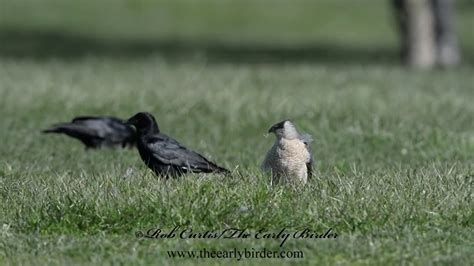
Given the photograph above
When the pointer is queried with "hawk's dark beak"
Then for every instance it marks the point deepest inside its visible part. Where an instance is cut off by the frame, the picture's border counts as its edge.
(272, 129)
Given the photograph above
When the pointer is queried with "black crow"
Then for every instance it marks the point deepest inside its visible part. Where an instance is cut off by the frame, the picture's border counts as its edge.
(164, 155)
(96, 132)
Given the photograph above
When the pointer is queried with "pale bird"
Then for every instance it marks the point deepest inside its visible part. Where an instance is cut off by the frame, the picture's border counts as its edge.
(290, 157)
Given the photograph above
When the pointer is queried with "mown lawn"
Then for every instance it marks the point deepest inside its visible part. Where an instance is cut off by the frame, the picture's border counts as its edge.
(393, 148)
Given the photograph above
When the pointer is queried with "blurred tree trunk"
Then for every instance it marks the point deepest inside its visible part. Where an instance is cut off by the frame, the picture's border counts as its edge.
(427, 32)
(421, 45)
(445, 29)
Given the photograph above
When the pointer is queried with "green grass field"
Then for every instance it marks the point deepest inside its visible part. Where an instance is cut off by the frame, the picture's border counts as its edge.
(393, 148)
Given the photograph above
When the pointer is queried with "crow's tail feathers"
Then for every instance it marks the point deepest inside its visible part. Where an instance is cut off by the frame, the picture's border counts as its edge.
(222, 170)
(54, 129)
(62, 128)
(214, 168)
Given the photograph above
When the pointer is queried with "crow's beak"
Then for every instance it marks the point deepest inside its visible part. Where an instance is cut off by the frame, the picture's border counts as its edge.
(129, 122)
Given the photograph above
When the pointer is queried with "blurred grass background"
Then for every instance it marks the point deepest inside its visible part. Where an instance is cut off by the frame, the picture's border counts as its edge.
(393, 147)
(256, 30)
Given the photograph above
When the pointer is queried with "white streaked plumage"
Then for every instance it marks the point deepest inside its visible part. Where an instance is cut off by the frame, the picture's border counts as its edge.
(290, 157)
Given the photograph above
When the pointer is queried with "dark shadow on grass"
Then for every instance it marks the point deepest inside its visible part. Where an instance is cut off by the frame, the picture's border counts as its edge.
(45, 45)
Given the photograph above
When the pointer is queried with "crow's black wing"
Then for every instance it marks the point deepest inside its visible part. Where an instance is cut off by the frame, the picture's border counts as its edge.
(76, 129)
(118, 131)
(95, 127)
(87, 135)
(94, 131)
(83, 118)
(168, 151)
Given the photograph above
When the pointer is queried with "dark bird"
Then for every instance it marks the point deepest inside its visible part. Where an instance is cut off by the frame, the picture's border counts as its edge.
(97, 132)
(164, 155)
